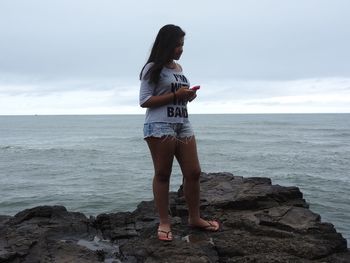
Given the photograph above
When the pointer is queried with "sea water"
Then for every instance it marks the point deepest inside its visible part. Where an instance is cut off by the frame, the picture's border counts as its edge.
(100, 163)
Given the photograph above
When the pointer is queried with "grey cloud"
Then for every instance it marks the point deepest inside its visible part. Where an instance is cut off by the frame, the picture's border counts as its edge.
(267, 39)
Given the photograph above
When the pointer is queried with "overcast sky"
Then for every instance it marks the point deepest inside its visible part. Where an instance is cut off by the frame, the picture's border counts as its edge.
(249, 56)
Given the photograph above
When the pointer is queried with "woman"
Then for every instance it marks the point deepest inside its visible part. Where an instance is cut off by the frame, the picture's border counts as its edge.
(165, 92)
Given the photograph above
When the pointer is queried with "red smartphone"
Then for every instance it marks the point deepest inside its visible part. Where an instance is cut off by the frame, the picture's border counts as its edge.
(195, 88)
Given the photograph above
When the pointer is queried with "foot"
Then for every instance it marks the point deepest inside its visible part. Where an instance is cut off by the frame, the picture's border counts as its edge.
(164, 233)
(208, 225)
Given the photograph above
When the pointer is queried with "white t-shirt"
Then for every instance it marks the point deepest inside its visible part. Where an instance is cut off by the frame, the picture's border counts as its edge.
(170, 80)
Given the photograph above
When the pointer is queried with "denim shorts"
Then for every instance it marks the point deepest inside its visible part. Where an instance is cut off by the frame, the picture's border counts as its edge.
(161, 129)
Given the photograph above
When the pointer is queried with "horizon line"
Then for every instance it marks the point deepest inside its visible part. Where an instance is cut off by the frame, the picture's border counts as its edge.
(139, 114)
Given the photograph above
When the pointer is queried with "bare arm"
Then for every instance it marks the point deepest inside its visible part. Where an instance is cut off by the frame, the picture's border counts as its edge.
(155, 101)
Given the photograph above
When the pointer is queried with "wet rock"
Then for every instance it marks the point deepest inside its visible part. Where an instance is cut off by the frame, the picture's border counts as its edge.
(260, 222)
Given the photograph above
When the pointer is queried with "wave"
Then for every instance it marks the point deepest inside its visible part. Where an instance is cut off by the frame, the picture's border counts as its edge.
(5, 147)
(340, 134)
(49, 149)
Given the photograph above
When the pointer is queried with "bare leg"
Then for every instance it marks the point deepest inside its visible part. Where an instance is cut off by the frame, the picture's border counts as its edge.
(186, 154)
(162, 151)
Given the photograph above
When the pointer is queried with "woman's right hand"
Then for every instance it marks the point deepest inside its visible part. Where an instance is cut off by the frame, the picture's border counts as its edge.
(184, 93)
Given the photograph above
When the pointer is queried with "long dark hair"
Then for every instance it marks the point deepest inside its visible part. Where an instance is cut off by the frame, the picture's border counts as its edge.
(162, 52)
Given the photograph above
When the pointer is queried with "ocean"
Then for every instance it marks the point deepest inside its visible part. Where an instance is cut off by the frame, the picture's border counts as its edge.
(100, 163)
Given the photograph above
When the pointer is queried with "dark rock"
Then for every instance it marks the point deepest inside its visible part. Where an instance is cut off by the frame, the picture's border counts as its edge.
(260, 222)
(41, 234)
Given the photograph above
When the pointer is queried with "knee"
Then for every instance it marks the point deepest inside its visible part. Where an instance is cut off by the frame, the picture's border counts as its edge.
(162, 176)
(193, 175)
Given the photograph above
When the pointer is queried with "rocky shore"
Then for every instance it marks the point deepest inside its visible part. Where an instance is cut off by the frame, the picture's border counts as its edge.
(261, 222)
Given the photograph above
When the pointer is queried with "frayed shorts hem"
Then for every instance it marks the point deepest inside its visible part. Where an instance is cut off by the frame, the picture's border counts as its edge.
(166, 130)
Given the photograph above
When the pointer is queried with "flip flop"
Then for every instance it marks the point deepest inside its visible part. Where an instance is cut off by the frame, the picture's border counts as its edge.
(212, 226)
(164, 238)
